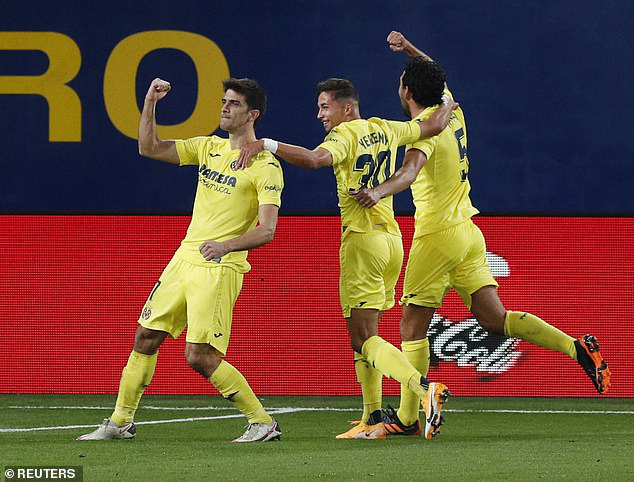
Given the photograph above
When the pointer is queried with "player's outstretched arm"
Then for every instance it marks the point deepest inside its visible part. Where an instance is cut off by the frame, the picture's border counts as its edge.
(398, 43)
(436, 123)
(149, 143)
(296, 155)
(262, 234)
(402, 179)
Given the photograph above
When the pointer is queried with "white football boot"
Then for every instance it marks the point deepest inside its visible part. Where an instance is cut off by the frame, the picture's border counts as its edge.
(261, 432)
(109, 430)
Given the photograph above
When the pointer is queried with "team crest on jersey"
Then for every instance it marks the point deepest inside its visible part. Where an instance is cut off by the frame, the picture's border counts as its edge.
(234, 164)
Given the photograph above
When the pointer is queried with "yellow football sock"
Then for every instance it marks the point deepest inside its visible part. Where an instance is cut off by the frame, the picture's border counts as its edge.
(234, 387)
(136, 375)
(390, 361)
(530, 328)
(417, 353)
(371, 382)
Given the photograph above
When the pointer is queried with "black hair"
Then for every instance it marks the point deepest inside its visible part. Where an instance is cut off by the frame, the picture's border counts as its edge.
(254, 95)
(340, 88)
(425, 80)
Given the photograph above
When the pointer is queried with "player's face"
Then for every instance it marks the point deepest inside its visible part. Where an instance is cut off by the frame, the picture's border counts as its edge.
(234, 113)
(401, 95)
(330, 112)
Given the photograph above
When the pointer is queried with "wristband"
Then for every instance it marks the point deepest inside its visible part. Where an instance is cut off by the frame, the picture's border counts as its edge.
(269, 145)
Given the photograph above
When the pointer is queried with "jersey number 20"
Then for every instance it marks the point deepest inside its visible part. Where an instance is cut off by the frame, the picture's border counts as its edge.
(373, 177)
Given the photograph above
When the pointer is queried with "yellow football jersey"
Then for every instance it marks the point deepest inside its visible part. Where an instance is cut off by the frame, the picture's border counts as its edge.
(364, 155)
(441, 190)
(227, 201)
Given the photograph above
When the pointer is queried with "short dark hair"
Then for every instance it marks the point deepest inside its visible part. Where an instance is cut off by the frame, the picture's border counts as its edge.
(254, 95)
(340, 88)
(425, 80)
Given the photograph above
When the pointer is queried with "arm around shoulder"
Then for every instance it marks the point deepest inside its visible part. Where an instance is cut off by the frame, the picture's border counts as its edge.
(413, 162)
(436, 123)
(302, 157)
(295, 155)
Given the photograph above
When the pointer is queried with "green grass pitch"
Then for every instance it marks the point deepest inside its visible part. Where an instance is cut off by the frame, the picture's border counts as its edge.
(482, 439)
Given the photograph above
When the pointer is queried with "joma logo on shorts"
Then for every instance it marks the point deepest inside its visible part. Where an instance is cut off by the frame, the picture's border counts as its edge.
(216, 176)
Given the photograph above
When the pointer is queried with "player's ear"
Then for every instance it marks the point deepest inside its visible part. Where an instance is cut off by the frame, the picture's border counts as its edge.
(253, 115)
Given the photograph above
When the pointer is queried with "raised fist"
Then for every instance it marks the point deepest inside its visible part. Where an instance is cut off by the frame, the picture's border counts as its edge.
(397, 41)
(158, 89)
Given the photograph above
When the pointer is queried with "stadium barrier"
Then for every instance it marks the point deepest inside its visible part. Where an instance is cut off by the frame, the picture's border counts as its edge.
(72, 288)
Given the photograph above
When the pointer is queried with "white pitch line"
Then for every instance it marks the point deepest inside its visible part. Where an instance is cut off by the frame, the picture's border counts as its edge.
(149, 422)
(280, 410)
(144, 407)
(582, 412)
(181, 409)
(456, 410)
(328, 409)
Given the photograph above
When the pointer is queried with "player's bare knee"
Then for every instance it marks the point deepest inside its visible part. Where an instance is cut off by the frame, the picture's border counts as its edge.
(358, 338)
(412, 329)
(196, 361)
(148, 341)
(491, 320)
(362, 324)
(495, 326)
(408, 332)
(415, 322)
(357, 342)
(357, 334)
(202, 358)
(488, 309)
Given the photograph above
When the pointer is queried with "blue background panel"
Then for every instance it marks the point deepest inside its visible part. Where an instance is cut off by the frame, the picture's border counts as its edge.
(546, 87)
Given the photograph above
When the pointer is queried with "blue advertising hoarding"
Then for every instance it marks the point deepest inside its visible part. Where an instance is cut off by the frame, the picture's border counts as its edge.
(546, 88)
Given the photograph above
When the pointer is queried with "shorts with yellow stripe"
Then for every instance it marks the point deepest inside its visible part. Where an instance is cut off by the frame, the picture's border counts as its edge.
(199, 297)
(370, 265)
(452, 258)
